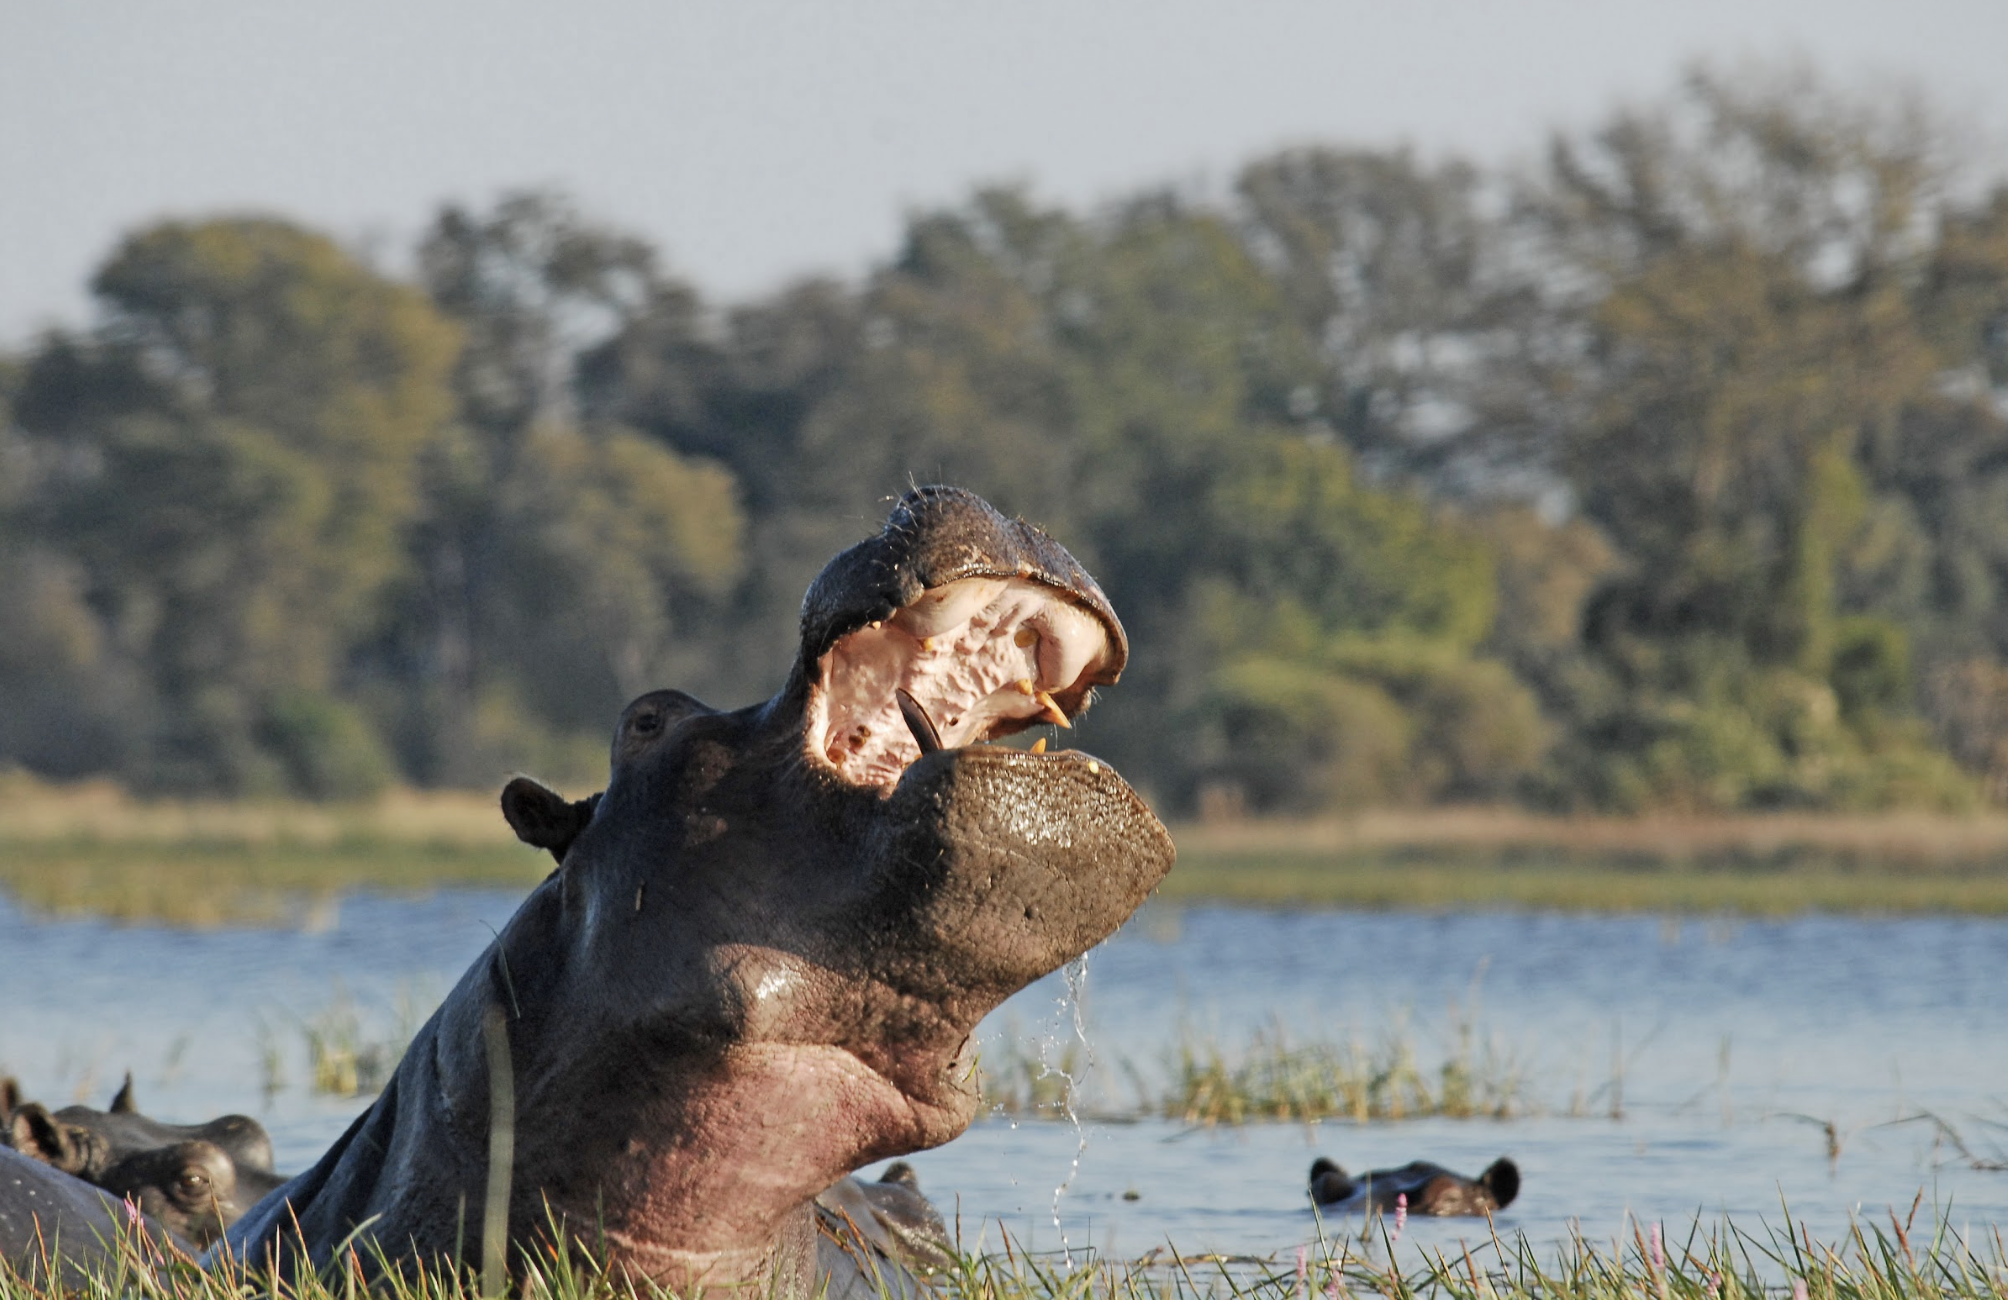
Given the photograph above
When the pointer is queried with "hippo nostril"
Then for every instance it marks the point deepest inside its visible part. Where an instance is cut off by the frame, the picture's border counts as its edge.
(647, 723)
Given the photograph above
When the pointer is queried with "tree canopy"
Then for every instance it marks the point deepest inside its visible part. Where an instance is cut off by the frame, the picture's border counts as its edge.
(1669, 472)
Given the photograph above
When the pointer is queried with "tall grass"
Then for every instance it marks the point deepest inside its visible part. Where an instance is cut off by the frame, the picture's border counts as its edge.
(1272, 1075)
(1276, 1079)
(347, 1050)
(1705, 1262)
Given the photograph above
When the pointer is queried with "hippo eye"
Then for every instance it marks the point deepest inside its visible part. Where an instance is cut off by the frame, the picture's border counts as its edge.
(647, 722)
(192, 1183)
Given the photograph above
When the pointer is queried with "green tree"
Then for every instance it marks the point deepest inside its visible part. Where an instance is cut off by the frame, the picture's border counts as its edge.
(563, 563)
(237, 438)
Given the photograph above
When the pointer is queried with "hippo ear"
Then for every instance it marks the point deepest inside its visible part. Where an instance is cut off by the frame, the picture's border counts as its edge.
(901, 1173)
(122, 1103)
(10, 1095)
(33, 1131)
(1502, 1179)
(541, 816)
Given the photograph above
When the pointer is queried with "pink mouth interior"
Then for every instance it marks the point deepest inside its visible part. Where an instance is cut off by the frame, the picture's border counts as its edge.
(984, 657)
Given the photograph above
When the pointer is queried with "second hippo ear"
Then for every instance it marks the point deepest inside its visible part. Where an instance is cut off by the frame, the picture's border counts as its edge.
(33, 1131)
(123, 1104)
(541, 816)
(10, 1095)
(1502, 1179)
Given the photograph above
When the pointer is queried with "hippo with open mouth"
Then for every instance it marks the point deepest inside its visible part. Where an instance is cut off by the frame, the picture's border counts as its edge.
(760, 961)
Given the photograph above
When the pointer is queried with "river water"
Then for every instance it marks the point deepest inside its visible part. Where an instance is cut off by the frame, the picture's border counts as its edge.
(1833, 1067)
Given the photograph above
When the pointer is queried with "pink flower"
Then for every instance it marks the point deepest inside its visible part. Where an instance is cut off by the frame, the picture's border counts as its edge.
(1658, 1251)
(1400, 1216)
(1798, 1288)
(1303, 1267)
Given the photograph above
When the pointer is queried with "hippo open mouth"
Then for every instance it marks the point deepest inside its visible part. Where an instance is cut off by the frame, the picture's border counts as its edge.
(940, 637)
(975, 660)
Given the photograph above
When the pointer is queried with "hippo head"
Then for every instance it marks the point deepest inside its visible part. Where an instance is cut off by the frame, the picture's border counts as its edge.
(88, 1143)
(194, 1189)
(782, 924)
(761, 959)
(193, 1179)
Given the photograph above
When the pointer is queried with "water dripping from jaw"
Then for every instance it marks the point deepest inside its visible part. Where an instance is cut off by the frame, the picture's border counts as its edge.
(1077, 980)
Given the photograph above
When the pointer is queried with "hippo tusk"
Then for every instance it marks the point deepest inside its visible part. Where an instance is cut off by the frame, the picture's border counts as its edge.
(918, 722)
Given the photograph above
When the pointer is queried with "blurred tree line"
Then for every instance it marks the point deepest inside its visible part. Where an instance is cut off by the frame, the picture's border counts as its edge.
(1669, 473)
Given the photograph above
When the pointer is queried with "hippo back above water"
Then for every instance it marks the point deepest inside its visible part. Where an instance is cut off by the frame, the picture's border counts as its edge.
(761, 959)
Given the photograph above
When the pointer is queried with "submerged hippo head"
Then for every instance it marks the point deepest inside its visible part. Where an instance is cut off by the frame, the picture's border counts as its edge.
(1421, 1186)
(86, 1142)
(760, 961)
(192, 1179)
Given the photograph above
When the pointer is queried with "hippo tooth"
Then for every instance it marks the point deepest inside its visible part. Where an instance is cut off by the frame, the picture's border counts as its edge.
(917, 721)
(1039, 745)
(1052, 711)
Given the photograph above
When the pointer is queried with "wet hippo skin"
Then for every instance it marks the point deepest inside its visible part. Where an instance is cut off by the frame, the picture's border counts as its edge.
(54, 1224)
(760, 960)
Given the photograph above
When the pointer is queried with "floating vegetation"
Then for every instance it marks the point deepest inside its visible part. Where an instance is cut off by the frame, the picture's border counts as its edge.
(347, 1051)
(1271, 1076)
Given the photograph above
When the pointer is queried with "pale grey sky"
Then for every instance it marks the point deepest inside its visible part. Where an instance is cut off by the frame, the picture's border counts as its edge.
(756, 139)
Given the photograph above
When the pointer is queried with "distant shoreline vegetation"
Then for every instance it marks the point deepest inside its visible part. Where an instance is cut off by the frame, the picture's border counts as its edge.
(92, 849)
(1666, 473)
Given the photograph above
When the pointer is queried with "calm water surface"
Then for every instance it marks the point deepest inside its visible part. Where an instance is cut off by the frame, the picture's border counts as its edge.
(1733, 1045)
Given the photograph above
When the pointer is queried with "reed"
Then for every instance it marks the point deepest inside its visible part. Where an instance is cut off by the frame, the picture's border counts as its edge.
(347, 1050)
(1271, 1076)
(1719, 1261)
(1276, 1079)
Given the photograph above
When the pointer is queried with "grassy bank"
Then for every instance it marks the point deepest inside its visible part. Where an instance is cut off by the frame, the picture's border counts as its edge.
(1758, 865)
(91, 848)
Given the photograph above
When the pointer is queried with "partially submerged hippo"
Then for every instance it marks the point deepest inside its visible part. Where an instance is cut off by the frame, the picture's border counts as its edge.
(193, 1179)
(56, 1225)
(761, 959)
(889, 1216)
(86, 1142)
(1430, 1188)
